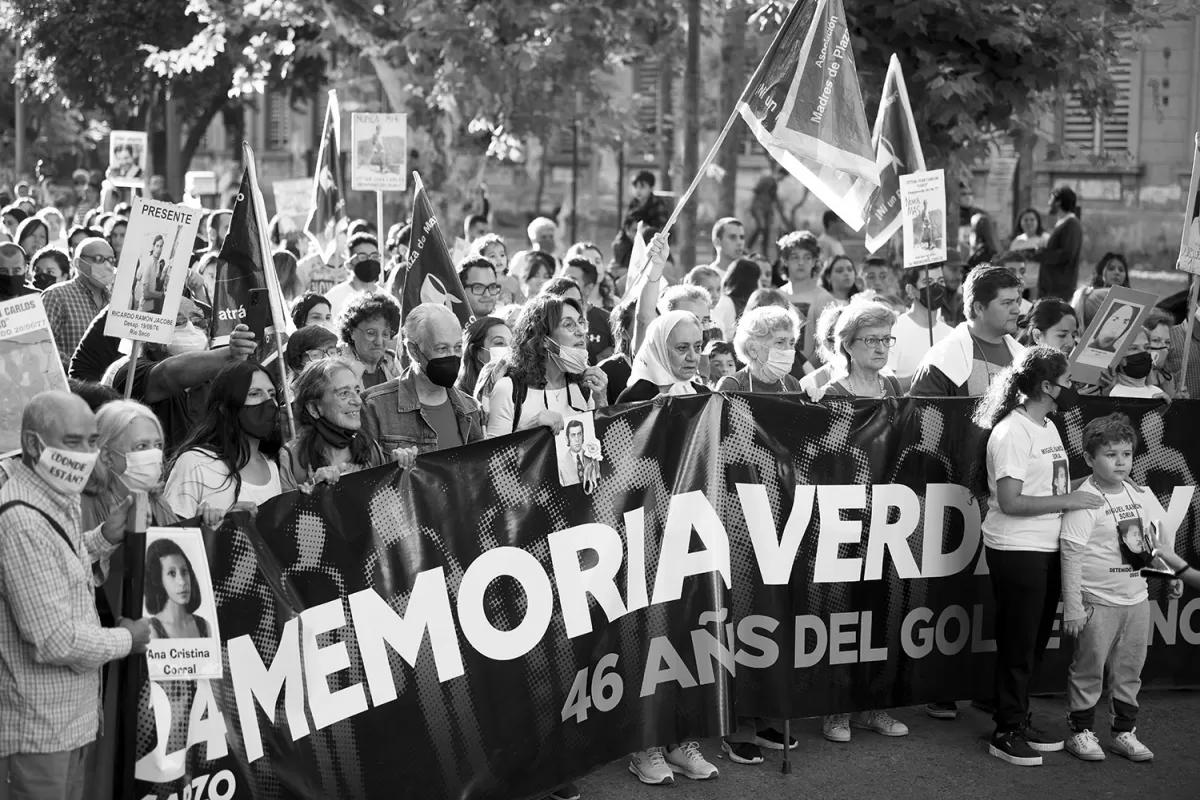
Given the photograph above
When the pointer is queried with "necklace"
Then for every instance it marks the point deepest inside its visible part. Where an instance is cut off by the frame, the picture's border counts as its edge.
(880, 386)
(1128, 496)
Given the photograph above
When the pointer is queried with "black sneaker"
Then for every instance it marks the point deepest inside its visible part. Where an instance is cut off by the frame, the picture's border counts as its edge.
(742, 752)
(772, 739)
(568, 791)
(1011, 747)
(1038, 739)
(942, 710)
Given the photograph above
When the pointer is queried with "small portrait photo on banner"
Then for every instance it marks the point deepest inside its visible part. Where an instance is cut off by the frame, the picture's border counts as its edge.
(379, 152)
(579, 452)
(178, 600)
(127, 156)
(1060, 479)
(29, 364)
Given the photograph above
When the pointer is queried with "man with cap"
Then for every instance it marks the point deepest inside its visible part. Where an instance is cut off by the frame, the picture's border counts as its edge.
(72, 305)
(14, 272)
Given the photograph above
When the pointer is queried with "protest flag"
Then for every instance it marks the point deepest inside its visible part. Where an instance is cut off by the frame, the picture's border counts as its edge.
(328, 204)
(897, 152)
(431, 276)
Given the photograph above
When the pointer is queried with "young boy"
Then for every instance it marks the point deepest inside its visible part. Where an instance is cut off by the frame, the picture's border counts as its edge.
(721, 361)
(1105, 602)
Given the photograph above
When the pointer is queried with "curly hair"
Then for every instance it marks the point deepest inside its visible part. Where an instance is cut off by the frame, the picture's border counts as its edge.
(1023, 377)
(528, 354)
(367, 307)
(760, 325)
(156, 592)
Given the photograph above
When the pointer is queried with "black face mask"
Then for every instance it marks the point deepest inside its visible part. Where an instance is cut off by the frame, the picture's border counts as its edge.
(335, 436)
(1138, 365)
(442, 371)
(367, 271)
(933, 296)
(43, 281)
(1067, 398)
(259, 421)
(11, 284)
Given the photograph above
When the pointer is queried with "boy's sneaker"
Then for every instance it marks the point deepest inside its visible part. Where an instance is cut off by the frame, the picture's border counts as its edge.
(1085, 745)
(650, 767)
(772, 739)
(880, 722)
(836, 728)
(1126, 744)
(1011, 747)
(942, 710)
(568, 791)
(1038, 739)
(687, 761)
(742, 752)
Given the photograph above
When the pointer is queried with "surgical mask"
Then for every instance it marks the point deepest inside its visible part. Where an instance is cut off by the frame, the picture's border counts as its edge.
(1067, 398)
(187, 339)
(43, 281)
(497, 353)
(367, 271)
(11, 284)
(571, 360)
(143, 470)
(1138, 365)
(779, 362)
(933, 296)
(66, 471)
(103, 275)
(259, 421)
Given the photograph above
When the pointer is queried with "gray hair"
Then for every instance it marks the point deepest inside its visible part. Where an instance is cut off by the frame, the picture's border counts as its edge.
(45, 412)
(421, 319)
(541, 224)
(112, 420)
(674, 296)
(761, 325)
(855, 317)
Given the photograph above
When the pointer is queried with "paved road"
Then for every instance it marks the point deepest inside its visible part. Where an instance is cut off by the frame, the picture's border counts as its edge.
(944, 760)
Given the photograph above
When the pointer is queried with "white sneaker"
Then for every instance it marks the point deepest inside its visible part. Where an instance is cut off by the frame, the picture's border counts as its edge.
(1085, 745)
(1126, 744)
(650, 767)
(686, 760)
(836, 728)
(880, 722)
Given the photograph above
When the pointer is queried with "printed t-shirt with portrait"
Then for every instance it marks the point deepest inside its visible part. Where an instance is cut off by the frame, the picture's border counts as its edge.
(1108, 577)
(1021, 449)
(987, 360)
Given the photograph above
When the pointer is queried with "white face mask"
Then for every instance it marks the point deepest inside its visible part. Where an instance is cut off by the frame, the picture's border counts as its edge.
(187, 339)
(143, 470)
(66, 471)
(571, 360)
(779, 362)
(497, 353)
(103, 274)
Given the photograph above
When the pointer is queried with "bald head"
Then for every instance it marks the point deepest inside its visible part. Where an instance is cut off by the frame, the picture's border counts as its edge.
(57, 419)
(13, 260)
(96, 261)
(93, 245)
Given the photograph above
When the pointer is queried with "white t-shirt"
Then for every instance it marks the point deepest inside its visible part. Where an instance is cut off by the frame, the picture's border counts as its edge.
(566, 401)
(912, 343)
(724, 316)
(1121, 390)
(1106, 575)
(199, 477)
(1033, 454)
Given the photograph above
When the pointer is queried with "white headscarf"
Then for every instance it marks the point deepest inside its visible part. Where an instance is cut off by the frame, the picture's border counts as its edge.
(652, 362)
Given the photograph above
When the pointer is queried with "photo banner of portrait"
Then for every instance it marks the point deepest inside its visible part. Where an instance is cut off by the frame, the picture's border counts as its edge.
(1189, 247)
(29, 364)
(1108, 337)
(923, 211)
(178, 600)
(579, 452)
(152, 271)
(379, 152)
(127, 159)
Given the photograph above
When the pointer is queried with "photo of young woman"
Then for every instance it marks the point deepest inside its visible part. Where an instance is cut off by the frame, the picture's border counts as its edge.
(173, 593)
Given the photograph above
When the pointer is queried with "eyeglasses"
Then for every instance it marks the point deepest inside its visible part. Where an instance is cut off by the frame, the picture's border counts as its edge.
(98, 260)
(875, 341)
(480, 289)
(317, 355)
(574, 326)
(357, 257)
(377, 335)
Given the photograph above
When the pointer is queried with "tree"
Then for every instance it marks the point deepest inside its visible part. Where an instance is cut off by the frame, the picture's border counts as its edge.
(733, 80)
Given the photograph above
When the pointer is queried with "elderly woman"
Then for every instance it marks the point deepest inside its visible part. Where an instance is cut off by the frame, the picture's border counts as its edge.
(330, 442)
(368, 326)
(548, 376)
(306, 346)
(50, 265)
(668, 361)
(864, 339)
(776, 297)
(766, 343)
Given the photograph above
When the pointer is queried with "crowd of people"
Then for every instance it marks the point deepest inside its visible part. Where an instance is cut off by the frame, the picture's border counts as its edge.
(558, 333)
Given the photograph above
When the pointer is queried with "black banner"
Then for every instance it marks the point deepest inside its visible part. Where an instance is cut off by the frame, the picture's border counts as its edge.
(471, 629)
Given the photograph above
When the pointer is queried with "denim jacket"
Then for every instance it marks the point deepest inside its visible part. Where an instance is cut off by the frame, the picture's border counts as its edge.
(392, 413)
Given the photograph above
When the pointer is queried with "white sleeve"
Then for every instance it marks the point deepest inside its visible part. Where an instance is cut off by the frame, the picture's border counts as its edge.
(1077, 526)
(186, 487)
(1009, 452)
(500, 409)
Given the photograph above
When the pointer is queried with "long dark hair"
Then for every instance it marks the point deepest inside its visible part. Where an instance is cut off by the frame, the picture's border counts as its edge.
(827, 275)
(156, 593)
(1036, 215)
(220, 432)
(1045, 314)
(740, 282)
(1023, 377)
(310, 388)
(1098, 272)
(285, 268)
(539, 319)
(473, 338)
(620, 323)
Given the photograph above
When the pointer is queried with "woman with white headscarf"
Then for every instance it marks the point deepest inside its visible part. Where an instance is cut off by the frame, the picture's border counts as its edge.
(669, 359)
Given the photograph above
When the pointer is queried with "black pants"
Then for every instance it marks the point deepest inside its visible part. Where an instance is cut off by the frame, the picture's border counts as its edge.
(1027, 586)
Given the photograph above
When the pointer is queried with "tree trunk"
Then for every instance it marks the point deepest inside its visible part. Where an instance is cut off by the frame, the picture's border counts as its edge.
(953, 168)
(691, 138)
(664, 116)
(733, 80)
(197, 130)
(1024, 143)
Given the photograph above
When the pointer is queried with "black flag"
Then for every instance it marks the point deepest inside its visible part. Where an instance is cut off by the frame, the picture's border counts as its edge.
(431, 276)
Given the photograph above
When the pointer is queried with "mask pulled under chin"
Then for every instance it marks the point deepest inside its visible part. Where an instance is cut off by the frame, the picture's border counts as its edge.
(571, 360)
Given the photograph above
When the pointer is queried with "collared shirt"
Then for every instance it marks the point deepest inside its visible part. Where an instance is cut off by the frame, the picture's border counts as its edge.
(393, 415)
(51, 643)
(70, 307)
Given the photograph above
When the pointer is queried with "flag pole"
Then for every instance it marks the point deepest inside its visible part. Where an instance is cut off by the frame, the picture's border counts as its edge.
(379, 214)
(929, 307)
(134, 353)
(1190, 325)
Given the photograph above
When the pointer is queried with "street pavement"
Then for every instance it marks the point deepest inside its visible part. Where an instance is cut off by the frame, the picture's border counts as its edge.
(944, 760)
